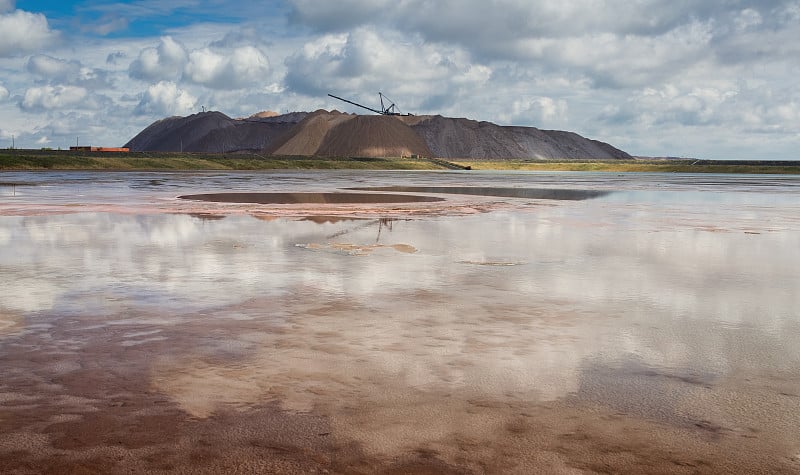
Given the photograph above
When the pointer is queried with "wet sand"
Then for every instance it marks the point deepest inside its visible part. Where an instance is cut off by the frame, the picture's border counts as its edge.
(206, 393)
(576, 337)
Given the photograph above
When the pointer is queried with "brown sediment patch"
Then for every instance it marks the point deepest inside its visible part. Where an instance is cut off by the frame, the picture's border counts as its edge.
(355, 212)
(405, 248)
(492, 263)
(357, 249)
(528, 193)
(9, 322)
(372, 208)
(267, 217)
(310, 198)
(308, 398)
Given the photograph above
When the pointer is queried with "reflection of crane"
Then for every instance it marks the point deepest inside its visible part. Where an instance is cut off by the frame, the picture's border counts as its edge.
(381, 222)
(384, 222)
(391, 109)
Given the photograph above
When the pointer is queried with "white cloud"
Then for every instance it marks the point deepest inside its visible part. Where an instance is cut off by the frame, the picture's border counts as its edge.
(164, 99)
(719, 119)
(612, 60)
(669, 104)
(747, 18)
(543, 111)
(22, 32)
(115, 57)
(164, 62)
(364, 62)
(490, 26)
(53, 97)
(213, 67)
(647, 76)
(616, 43)
(61, 71)
(50, 67)
(242, 67)
(108, 24)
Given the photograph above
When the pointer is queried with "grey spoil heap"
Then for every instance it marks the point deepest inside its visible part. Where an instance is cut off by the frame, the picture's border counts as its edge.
(387, 134)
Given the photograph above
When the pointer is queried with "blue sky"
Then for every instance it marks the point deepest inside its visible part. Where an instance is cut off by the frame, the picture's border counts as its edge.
(654, 77)
(142, 18)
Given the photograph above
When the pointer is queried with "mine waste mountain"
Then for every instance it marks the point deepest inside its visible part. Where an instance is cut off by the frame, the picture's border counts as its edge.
(335, 134)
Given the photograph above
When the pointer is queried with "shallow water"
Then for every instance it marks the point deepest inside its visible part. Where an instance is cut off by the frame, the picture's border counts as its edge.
(665, 307)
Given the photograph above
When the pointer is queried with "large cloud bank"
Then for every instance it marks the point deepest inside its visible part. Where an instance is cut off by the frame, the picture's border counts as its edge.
(23, 32)
(714, 80)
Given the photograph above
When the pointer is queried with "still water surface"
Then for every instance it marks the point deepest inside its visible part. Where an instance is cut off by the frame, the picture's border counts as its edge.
(672, 299)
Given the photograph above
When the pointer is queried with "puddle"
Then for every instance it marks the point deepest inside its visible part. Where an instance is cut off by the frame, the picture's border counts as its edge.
(310, 198)
(528, 193)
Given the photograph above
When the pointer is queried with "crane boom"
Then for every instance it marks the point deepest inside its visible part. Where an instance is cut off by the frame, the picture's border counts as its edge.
(357, 104)
(392, 109)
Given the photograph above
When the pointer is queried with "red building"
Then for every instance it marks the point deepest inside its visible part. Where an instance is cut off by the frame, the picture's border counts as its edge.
(89, 148)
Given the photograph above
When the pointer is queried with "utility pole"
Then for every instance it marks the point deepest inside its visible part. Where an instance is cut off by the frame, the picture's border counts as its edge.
(12, 142)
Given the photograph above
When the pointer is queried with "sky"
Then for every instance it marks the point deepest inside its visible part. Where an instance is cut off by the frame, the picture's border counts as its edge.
(715, 80)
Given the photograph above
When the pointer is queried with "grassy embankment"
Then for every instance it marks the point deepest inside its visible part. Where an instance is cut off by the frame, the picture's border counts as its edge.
(68, 160)
(653, 166)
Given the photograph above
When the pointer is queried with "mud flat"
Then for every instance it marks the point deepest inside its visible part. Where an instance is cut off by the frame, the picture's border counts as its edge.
(163, 393)
(310, 198)
(631, 331)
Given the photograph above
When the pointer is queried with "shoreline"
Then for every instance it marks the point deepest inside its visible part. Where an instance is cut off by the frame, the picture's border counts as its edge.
(42, 160)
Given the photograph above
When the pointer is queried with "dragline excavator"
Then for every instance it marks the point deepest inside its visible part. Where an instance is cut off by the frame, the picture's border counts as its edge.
(391, 109)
